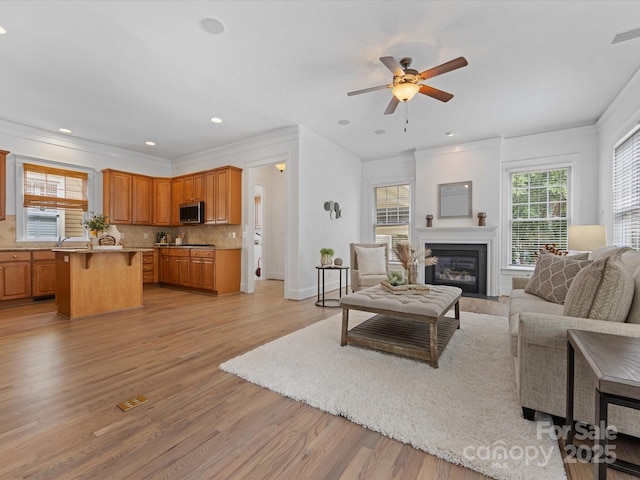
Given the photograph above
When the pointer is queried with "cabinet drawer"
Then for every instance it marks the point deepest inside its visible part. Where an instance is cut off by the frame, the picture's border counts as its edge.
(178, 252)
(147, 277)
(43, 255)
(15, 256)
(197, 252)
(147, 267)
(147, 258)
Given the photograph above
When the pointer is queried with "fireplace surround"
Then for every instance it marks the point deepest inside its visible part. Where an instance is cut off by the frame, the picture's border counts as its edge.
(459, 265)
(463, 234)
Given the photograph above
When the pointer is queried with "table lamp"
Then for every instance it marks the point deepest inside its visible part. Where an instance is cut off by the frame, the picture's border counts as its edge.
(586, 238)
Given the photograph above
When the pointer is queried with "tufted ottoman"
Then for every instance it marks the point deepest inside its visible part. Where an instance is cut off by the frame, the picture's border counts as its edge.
(410, 324)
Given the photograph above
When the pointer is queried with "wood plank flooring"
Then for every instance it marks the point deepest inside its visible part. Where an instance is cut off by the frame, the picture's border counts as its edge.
(61, 381)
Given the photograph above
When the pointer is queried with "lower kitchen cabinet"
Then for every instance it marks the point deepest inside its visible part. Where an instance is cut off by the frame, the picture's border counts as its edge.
(149, 268)
(15, 275)
(43, 274)
(208, 269)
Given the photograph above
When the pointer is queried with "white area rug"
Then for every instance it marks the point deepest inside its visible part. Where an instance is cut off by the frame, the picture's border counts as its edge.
(465, 412)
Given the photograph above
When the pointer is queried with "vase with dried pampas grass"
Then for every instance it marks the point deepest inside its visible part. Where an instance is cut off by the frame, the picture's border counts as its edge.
(411, 260)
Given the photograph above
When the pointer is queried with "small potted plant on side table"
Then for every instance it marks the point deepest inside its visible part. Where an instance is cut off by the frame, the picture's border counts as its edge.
(326, 256)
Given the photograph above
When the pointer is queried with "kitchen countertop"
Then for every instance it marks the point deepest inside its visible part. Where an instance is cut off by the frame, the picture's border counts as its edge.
(101, 250)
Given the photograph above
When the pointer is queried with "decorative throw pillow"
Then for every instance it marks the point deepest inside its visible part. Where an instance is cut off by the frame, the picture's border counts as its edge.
(553, 275)
(603, 291)
(371, 260)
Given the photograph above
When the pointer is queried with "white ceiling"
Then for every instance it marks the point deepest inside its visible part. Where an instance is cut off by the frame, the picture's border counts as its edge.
(122, 73)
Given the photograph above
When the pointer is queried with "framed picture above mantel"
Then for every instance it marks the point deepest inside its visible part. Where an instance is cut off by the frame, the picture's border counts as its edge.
(454, 200)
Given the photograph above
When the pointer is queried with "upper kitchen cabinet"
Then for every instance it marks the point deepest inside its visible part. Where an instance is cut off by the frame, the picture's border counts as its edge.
(185, 189)
(223, 196)
(127, 197)
(3, 183)
(162, 201)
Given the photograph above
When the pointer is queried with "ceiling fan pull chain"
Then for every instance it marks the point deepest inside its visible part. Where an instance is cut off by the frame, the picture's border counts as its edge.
(406, 115)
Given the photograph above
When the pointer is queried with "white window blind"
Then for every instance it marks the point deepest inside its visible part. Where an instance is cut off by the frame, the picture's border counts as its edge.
(393, 215)
(540, 207)
(626, 192)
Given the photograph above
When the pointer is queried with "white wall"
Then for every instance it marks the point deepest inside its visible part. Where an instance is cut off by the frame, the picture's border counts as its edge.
(327, 173)
(49, 146)
(622, 116)
(484, 163)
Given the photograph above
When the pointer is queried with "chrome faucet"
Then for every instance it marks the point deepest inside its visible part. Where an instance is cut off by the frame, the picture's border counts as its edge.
(61, 240)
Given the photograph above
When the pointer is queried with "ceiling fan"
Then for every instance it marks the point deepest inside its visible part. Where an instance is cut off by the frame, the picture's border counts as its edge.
(405, 81)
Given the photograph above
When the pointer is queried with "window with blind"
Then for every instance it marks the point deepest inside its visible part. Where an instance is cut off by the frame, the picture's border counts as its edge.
(540, 208)
(626, 192)
(54, 201)
(393, 216)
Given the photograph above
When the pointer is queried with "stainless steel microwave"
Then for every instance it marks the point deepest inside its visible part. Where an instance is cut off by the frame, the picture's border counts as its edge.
(192, 212)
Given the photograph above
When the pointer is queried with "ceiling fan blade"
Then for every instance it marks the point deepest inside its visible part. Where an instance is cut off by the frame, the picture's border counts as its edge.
(624, 36)
(444, 68)
(367, 90)
(393, 65)
(392, 106)
(435, 93)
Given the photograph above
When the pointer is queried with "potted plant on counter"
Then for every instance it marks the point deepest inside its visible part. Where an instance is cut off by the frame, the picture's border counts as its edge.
(97, 225)
(326, 256)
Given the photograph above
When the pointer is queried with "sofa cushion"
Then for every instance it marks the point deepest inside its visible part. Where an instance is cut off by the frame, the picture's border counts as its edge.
(521, 302)
(607, 251)
(371, 261)
(371, 280)
(603, 291)
(553, 275)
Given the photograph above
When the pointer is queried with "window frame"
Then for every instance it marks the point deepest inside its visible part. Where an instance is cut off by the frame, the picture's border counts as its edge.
(374, 210)
(525, 166)
(617, 227)
(21, 211)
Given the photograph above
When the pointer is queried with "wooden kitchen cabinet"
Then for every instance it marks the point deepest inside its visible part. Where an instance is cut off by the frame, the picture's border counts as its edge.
(149, 270)
(209, 269)
(141, 200)
(223, 196)
(127, 198)
(186, 189)
(162, 201)
(43, 274)
(174, 266)
(15, 275)
(201, 269)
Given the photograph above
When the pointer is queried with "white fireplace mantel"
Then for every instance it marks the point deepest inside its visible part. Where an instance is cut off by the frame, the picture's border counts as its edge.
(487, 235)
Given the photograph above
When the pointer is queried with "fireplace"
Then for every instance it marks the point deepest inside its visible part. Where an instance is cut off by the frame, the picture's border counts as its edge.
(459, 265)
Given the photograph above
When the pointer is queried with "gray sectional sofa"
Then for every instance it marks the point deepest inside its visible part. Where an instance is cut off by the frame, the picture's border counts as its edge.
(539, 340)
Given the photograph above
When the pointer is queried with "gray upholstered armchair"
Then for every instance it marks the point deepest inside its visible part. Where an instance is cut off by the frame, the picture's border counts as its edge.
(372, 266)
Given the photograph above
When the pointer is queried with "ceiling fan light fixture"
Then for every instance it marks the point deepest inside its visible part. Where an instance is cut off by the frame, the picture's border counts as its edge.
(405, 91)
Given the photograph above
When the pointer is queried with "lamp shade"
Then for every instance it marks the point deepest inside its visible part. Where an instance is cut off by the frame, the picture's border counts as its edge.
(586, 238)
(281, 166)
(405, 91)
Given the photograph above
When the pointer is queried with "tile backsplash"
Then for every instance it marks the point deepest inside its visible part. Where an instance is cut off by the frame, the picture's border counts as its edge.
(228, 236)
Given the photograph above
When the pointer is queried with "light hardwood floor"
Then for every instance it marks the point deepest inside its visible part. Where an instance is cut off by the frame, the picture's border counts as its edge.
(61, 381)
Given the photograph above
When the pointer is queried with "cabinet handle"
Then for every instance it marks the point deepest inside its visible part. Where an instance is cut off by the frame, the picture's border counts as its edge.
(15, 256)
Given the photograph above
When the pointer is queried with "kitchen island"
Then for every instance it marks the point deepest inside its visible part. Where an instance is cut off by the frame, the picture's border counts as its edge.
(95, 281)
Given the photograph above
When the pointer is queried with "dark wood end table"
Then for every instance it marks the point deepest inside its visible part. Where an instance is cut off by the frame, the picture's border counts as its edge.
(332, 302)
(614, 366)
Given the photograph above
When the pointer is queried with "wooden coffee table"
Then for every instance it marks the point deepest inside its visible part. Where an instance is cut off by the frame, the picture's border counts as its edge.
(413, 325)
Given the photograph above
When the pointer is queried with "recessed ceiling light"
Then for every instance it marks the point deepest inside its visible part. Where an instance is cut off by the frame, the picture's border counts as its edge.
(2, 30)
(213, 26)
(216, 120)
(151, 144)
(449, 134)
(64, 130)
(344, 122)
(380, 132)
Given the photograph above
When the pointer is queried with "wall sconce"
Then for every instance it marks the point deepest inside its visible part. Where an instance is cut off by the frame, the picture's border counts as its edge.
(333, 207)
(281, 166)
